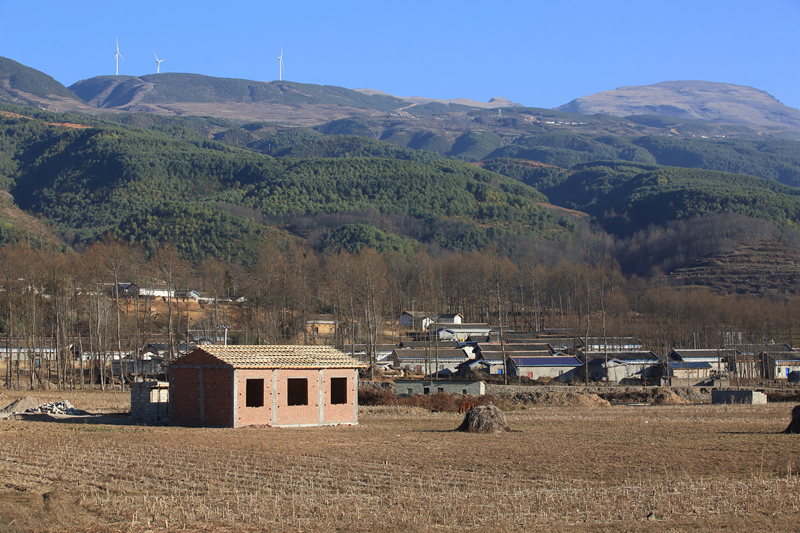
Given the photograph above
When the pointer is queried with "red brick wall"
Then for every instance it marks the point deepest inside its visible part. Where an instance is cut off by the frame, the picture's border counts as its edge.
(198, 357)
(218, 394)
(290, 415)
(184, 390)
(213, 409)
(343, 413)
(218, 398)
(249, 416)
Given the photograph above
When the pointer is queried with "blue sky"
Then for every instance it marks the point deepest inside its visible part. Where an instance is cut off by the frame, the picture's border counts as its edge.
(538, 53)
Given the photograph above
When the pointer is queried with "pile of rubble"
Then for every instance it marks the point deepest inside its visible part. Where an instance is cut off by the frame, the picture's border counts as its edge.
(56, 408)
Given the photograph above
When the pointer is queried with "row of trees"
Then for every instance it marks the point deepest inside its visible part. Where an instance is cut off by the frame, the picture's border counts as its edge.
(70, 303)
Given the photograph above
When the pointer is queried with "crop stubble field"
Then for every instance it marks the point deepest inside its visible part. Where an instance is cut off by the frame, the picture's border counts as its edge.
(650, 468)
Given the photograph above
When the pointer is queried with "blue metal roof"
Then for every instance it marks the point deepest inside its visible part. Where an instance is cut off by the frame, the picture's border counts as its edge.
(546, 361)
(683, 365)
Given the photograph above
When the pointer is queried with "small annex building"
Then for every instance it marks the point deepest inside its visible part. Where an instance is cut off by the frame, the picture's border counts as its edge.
(281, 386)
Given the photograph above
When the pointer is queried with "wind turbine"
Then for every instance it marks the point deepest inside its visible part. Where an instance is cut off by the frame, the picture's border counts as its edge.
(116, 57)
(281, 70)
(158, 64)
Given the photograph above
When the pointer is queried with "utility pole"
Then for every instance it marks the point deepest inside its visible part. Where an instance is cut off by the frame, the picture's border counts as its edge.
(226, 328)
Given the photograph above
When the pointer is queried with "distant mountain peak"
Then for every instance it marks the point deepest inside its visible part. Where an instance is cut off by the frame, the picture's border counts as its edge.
(692, 99)
(494, 102)
(24, 85)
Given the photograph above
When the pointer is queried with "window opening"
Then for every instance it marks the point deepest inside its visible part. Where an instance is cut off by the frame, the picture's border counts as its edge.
(254, 393)
(297, 391)
(338, 391)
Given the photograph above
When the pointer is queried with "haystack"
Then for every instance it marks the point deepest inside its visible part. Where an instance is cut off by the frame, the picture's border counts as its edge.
(794, 426)
(484, 418)
(20, 405)
(667, 397)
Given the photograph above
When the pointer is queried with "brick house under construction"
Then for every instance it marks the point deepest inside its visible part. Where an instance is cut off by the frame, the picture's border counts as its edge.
(283, 386)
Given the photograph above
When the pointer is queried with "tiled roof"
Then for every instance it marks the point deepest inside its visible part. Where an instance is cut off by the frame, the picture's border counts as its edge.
(271, 356)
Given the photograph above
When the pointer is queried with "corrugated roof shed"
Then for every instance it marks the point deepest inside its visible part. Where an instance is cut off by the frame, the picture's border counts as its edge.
(692, 365)
(542, 347)
(546, 361)
(443, 353)
(683, 354)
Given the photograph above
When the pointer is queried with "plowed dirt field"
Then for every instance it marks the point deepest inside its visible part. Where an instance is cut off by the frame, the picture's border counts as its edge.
(620, 468)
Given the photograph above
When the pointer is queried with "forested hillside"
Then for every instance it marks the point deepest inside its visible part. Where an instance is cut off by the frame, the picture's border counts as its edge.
(172, 87)
(626, 197)
(149, 186)
(18, 82)
(345, 169)
(775, 159)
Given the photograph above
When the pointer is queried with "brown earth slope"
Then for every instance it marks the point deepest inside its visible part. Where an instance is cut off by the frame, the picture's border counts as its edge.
(763, 267)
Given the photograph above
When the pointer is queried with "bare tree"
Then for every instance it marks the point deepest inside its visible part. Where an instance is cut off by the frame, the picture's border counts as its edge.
(168, 264)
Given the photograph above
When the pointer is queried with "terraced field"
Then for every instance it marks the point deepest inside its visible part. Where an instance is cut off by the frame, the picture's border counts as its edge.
(766, 267)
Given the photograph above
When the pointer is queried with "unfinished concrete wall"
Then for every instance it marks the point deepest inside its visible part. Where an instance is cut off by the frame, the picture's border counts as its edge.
(750, 397)
(407, 388)
(150, 401)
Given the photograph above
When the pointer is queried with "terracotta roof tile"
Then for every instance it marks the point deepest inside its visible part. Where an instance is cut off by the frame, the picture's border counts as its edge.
(272, 356)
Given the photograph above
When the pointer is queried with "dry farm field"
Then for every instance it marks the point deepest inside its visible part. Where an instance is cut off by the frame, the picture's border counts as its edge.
(621, 468)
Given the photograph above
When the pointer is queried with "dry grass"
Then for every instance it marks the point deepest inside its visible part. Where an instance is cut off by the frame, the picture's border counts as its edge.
(567, 468)
(93, 401)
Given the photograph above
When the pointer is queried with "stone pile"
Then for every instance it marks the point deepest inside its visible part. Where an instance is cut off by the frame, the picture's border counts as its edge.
(56, 408)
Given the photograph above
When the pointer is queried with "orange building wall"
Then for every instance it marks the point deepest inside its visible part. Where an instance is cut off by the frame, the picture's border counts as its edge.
(223, 401)
(253, 416)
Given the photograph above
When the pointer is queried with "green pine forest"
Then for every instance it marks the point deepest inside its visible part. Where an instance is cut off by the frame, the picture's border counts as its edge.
(217, 188)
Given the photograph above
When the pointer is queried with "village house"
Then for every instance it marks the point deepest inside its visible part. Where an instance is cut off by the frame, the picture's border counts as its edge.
(125, 289)
(416, 319)
(428, 361)
(450, 319)
(746, 365)
(463, 332)
(480, 366)
(715, 357)
(157, 292)
(492, 350)
(282, 386)
(632, 367)
(610, 344)
(692, 366)
(189, 295)
(559, 366)
(780, 364)
(321, 329)
(688, 373)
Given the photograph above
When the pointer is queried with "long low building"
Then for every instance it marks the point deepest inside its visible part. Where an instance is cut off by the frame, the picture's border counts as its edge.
(544, 367)
(283, 386)
(463, 332)
(409, 387)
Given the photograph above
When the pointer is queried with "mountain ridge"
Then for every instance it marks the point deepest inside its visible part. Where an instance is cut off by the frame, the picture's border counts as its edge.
(300, 104)
(710, 101)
